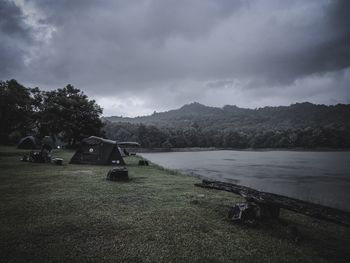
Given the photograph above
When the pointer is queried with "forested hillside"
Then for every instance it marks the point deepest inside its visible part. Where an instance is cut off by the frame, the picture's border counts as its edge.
(303, 125)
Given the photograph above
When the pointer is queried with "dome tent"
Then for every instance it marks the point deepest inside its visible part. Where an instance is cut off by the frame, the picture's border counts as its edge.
(96, 150)
(29, 142)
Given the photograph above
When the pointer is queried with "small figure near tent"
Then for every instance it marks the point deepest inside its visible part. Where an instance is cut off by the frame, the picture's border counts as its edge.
(48, 142)
(46, 153)
(42, 156)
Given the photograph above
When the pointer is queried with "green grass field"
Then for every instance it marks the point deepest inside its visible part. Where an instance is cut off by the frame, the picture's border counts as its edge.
(71, 213)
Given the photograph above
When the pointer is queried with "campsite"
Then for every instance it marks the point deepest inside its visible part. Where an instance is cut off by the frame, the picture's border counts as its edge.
(174, 131)
(74, 189)
(72, 213)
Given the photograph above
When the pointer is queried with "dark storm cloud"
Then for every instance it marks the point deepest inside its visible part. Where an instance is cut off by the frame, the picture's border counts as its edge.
(143, 51)
(15, 37)
(291, 42)
(333, 52)
(339, 48)
(131, 40)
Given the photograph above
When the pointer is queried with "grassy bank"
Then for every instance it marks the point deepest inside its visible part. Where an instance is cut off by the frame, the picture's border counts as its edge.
(71, 213)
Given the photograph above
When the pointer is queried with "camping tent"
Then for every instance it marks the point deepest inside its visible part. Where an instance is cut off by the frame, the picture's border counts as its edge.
(96, 150)
(29, 142)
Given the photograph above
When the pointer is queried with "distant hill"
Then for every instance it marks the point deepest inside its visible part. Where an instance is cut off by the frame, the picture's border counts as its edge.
(295, 115)
(316, 125)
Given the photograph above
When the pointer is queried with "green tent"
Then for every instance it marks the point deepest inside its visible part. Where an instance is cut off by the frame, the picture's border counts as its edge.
(96, 150)
(29, 142)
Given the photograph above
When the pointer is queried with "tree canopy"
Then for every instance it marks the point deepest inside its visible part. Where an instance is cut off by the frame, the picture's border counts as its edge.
(16, 109)
(70, 113)
(66, 113)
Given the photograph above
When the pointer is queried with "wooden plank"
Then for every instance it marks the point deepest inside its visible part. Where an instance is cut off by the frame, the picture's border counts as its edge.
(299, 206)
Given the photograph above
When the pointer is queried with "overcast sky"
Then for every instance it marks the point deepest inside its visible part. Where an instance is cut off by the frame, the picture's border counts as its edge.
(139, 56)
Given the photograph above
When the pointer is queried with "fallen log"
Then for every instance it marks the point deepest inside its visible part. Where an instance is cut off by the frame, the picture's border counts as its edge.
(268, 199)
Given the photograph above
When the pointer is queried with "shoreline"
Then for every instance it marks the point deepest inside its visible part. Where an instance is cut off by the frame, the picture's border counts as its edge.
(207, 149)
(313, 210)
(294, 174)
(203, 178)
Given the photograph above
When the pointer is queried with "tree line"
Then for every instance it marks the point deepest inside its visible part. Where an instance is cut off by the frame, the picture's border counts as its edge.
(65, 113)
(69, 115)
(302, 125)
(151, 136)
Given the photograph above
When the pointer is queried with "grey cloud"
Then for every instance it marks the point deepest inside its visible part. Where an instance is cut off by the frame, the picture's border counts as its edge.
(333, 51)
(15, 38)
(11, 19)
(189, 19)
(165, 40)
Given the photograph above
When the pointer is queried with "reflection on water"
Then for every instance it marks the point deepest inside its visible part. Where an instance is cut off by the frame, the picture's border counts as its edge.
(320, 177)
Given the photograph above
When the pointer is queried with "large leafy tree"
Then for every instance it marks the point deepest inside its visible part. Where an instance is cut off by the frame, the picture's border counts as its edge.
(70, 114)
(17, 105)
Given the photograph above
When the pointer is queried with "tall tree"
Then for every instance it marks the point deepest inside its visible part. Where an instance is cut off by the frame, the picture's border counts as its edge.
(69, 113)
(16, 110)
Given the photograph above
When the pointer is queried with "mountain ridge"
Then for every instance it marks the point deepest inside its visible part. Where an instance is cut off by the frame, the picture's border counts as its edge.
(200, 111)
(303, 125)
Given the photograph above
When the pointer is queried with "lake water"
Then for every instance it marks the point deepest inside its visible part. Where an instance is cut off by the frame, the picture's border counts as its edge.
(319, 177)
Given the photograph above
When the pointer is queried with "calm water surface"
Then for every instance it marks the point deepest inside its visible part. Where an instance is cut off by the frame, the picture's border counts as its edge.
(320, 177)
